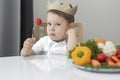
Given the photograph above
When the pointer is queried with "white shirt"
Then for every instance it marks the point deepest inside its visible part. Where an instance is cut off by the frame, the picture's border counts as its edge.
(45, 44)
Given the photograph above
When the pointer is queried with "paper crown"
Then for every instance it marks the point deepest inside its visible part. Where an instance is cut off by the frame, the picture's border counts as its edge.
(63, 7)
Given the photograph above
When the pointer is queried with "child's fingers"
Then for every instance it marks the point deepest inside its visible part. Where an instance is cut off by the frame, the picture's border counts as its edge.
(33, 40)
(25, 52)
(29, 42)
(28, 45)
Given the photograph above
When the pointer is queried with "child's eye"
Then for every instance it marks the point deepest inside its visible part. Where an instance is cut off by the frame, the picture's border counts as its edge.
(48, 24)
(57, 24)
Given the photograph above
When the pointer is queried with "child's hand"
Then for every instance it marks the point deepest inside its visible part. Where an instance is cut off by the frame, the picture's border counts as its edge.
(71, 38)
(27, 47)
(70, 31)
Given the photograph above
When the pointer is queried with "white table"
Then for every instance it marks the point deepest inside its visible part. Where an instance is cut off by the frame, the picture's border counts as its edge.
(46, 68)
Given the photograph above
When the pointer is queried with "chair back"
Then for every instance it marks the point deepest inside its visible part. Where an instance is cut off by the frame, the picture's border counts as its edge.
(79, 31)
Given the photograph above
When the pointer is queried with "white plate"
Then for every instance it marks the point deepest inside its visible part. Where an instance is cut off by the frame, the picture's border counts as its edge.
(117, 70)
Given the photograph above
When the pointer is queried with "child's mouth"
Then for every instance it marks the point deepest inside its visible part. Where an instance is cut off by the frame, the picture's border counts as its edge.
(52, 34)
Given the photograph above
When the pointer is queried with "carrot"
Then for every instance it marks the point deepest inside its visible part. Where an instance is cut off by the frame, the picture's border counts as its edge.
(111, 63)
(115, 58)
(100, 41)
(118, 64)
(95, 63)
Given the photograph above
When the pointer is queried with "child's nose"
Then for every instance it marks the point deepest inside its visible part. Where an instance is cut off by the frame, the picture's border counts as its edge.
(52, 27)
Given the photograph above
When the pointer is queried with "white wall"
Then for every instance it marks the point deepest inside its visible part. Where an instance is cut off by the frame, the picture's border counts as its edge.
(100, 18)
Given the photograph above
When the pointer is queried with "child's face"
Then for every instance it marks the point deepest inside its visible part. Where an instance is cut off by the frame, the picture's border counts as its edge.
(56, 27)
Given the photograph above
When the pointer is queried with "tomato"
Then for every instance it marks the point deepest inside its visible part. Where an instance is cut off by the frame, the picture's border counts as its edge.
(38, 21)
(101, 57)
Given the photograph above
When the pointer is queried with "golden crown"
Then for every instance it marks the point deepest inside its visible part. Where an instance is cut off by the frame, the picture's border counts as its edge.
(63, 7)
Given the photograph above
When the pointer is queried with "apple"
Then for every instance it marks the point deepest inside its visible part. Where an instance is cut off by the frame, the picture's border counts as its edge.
(101, 57)
(118, 53)
(118, 56)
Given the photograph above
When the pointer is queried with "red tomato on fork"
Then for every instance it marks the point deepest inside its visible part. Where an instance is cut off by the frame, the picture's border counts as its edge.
(38, 21)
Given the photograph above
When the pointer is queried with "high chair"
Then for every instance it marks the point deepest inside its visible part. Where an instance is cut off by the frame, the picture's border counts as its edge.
(40, 31)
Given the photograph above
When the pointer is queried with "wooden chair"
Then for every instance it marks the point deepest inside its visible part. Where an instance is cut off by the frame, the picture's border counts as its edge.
(40, 31)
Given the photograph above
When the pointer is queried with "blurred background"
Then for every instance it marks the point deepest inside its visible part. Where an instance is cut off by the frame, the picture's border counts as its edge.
(100, 19)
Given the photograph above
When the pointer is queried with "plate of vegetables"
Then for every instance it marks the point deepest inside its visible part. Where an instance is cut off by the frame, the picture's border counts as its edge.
(96, 56)
(90, 68)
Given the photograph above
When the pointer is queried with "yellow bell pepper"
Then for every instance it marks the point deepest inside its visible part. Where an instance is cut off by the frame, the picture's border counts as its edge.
(81, 55)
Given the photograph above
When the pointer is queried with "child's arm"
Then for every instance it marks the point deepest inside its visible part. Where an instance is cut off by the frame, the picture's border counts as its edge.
(72, 39)
(27, 47)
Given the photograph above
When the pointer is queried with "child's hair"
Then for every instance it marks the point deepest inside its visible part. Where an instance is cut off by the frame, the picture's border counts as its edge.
(69, 18)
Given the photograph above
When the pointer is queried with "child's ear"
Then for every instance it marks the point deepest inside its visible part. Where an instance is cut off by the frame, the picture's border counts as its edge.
(72, 25)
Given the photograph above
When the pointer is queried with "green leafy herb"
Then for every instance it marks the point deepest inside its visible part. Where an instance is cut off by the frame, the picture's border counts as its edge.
(93, 46)
(118, 46)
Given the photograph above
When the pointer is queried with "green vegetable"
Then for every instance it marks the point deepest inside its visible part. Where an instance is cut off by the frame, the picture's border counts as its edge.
(93, 46)
(118, 46)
